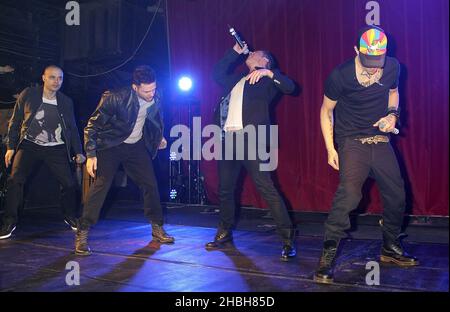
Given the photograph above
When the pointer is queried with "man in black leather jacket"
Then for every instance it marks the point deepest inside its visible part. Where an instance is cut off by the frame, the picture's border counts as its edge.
(126, 128)
(42, 130)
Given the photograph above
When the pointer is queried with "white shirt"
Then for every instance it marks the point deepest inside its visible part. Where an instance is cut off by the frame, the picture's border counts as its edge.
(136, 134)
(234, 118)
(52, 102)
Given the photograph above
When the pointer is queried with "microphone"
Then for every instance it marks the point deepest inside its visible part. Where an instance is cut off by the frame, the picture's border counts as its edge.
(394, 131)
(238, 39)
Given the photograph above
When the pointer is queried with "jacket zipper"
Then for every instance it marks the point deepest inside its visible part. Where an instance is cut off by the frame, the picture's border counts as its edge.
(26, 132)
(61, 117)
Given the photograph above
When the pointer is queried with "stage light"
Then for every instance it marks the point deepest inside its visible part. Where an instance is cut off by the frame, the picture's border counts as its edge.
(173, 194)
(185, 84)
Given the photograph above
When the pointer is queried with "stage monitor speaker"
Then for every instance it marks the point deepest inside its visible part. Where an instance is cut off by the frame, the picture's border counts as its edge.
(98, 32)
(108, 28)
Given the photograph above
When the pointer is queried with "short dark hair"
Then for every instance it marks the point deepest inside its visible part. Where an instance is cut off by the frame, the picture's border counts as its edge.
(143, 74)
(51, 66)
(271, 61)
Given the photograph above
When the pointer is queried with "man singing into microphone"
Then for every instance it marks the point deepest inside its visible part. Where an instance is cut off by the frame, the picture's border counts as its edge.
(249, 98)
(363, 92)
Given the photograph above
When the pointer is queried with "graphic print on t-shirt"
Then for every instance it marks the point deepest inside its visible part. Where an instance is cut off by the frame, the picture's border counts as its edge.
(45, 129)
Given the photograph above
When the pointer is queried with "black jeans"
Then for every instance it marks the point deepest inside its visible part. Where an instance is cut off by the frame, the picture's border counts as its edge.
(228, 174)
(138, 166)
(25, 161)
(357, 162)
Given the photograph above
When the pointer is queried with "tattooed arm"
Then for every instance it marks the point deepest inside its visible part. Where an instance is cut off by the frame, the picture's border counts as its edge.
(326, 123)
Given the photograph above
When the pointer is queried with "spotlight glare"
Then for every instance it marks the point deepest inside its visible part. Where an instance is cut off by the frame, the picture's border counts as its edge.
(185, 83)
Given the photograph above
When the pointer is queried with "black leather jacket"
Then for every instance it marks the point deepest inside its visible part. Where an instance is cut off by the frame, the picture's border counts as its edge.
(25, 109)
(113, 121)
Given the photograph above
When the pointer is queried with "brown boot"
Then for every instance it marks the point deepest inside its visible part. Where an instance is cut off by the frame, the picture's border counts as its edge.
(81, 244)
(160, 235)
(222, 236)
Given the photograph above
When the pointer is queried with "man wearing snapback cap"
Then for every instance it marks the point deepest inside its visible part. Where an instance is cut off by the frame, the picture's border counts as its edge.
(363, 95)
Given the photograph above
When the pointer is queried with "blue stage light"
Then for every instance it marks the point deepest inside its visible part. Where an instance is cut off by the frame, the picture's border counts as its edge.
(185, 83)
(173, 194)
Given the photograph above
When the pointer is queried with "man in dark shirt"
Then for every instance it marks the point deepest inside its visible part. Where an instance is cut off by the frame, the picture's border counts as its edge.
(363, 93)
(42, 130)
(247, 105)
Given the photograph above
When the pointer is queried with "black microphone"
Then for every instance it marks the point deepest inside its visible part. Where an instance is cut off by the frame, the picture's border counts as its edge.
(238, 39)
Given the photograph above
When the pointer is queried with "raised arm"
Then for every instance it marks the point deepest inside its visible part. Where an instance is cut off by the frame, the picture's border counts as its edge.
(223, 70)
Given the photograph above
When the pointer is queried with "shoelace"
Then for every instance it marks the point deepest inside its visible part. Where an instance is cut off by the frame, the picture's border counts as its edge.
(158, 231)
(328, 256)
(82, 235)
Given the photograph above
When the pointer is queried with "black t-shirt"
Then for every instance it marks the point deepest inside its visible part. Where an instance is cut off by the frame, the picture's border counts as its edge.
(46, 129)
(359, 107)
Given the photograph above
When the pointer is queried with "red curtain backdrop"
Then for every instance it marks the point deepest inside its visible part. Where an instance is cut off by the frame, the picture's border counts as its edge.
(309, 38)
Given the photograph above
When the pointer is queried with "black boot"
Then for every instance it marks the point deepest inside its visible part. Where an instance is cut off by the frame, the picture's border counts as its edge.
(81, 243)
(393, 252)
(324, 274)
(6, 230)
(160, 235)
(72, 222)
(222, 236)
(289, 250)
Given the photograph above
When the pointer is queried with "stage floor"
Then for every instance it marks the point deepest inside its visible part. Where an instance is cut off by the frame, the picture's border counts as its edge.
(125, 259)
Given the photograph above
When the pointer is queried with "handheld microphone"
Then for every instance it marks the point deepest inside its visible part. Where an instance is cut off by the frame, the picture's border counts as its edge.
(394, 131)
(238, 39)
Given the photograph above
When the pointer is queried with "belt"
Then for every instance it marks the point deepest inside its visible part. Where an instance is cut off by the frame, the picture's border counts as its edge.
(374, 139)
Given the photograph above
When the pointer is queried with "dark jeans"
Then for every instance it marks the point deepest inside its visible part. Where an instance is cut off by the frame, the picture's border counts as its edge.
(357, 162)
(138, 166)
(228, 174)
(25, 161)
